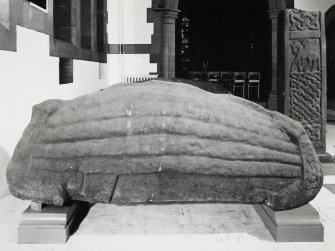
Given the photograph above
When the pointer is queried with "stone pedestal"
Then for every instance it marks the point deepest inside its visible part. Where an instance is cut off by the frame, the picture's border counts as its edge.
(297, 225)
(326, 158)
(327, 163)
(328, 168)
(49, 225)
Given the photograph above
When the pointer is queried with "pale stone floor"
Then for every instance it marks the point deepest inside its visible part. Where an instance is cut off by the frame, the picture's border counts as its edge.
(174, 227)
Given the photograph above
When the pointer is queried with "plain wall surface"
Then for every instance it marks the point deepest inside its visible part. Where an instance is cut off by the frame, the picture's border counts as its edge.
(314, 5)
(30, 76)
(127, 24)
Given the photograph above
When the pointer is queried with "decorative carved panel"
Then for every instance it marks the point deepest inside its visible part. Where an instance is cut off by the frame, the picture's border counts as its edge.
(305, 102)
(303, 72)
(302, 20)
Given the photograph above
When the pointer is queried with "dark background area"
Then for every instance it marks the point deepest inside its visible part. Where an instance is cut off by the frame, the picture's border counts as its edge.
(232, 35)
(330, 34)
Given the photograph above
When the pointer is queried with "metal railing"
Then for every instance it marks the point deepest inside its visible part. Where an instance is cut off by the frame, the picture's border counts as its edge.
(138, 78)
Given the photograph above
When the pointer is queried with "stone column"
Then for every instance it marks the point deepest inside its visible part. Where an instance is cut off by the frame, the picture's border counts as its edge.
(273, 98)
(169, 42)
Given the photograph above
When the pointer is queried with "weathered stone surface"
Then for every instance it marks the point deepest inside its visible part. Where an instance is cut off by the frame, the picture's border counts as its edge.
(163, 142)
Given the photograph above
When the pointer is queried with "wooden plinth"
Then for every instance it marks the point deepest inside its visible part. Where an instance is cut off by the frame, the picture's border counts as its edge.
(50, 225)
(297, 225)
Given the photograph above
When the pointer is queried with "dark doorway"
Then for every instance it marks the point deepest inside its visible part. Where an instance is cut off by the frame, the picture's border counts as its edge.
(226, 35)
(330, 35)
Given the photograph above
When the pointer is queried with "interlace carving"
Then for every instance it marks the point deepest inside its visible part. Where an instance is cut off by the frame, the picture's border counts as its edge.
(303, 21)
(305, 85)
(306, 101)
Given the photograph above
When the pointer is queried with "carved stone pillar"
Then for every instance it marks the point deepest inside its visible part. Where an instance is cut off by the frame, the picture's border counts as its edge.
(302, 69)
(273, 98)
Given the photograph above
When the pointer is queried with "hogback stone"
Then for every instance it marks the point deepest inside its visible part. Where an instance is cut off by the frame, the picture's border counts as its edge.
(163, 142)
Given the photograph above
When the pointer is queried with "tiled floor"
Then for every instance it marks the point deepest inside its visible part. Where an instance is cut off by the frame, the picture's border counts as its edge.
(175, 227)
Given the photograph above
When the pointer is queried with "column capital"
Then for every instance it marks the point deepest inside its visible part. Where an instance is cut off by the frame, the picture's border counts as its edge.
(273, 14)
(169, 16)
(167, 10)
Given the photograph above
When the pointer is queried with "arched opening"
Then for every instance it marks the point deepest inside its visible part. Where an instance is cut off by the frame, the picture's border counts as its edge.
(225, 36)
(164, 47)
(330, 38)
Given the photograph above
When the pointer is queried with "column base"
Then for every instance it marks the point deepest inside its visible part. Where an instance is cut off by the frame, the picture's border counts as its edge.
(297, 225)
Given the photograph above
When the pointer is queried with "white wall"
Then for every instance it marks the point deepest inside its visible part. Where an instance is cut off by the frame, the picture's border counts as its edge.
(314, 5)
(30, 76)
(127, 24)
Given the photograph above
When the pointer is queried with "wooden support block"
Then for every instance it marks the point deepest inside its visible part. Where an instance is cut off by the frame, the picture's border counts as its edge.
(297, 225)
(50, 225)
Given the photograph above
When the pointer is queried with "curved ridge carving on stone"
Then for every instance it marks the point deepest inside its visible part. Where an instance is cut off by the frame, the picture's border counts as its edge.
(188, 144)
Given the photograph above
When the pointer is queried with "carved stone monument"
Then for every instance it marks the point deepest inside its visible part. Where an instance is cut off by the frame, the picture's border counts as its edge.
(302, 72)
(163, 142)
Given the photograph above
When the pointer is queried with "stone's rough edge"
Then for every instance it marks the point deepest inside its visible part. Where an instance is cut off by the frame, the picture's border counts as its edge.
(77, 180)
(169, 187)
(297, 225)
